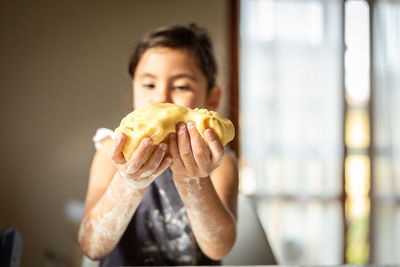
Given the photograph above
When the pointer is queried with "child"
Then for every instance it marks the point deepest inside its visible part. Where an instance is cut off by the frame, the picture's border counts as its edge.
(185, 215)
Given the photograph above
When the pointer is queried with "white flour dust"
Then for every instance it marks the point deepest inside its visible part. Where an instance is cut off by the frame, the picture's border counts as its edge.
(109, 218)
(137, 184)
(207, 226)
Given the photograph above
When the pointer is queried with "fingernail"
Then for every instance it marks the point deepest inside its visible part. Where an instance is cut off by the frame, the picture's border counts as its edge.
(148, 141)
(168, 160)
(163, 146)
(182, 128)
(210, 135)
(172, 136)
(190, 125)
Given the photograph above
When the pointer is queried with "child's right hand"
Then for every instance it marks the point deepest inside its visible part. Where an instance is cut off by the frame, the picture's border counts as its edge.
(141, 172)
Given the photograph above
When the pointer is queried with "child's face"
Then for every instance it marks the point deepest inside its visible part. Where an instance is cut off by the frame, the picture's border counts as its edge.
(166, 75)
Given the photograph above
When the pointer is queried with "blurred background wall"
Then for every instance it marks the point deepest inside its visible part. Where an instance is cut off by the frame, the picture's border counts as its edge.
(63, 75)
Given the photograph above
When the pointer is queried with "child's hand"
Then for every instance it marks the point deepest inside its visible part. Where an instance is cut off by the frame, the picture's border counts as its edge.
(137, 169)
(191, 155)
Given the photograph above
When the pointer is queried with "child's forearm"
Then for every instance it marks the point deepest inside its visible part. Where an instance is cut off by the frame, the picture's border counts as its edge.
(105, 223)
(212, 223)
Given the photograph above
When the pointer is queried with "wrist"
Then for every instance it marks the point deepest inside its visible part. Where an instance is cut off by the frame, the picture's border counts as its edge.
(186, 180)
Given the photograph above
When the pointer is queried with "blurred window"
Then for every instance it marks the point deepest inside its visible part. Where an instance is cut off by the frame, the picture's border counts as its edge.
(315, 119)
(386, 131)
(291, 124)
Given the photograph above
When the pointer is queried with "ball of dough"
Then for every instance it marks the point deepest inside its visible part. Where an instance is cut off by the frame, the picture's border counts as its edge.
(157, 121)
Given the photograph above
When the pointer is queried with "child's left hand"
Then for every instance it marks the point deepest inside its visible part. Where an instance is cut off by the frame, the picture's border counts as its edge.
(191, 155)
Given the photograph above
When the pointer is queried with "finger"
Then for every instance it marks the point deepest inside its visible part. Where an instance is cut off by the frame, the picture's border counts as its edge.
(184, 146)
(116, 150)
(174, 151)
(163, 166)
(201, 152)
(154, 161)
(139, 156)
(217, 149)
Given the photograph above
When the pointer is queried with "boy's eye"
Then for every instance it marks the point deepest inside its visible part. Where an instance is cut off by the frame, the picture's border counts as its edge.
(182, 87)
(148, 85)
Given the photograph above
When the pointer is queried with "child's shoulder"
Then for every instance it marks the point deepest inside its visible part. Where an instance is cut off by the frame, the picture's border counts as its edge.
(103, 137)
(102, 164)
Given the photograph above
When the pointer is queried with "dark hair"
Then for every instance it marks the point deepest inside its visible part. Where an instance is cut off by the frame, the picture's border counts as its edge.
(191, 38)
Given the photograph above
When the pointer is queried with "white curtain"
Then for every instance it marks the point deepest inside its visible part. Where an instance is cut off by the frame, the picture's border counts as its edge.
(387, 131)
(291, 124)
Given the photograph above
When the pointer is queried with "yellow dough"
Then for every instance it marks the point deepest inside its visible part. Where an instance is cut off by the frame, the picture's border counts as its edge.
(157, 121)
